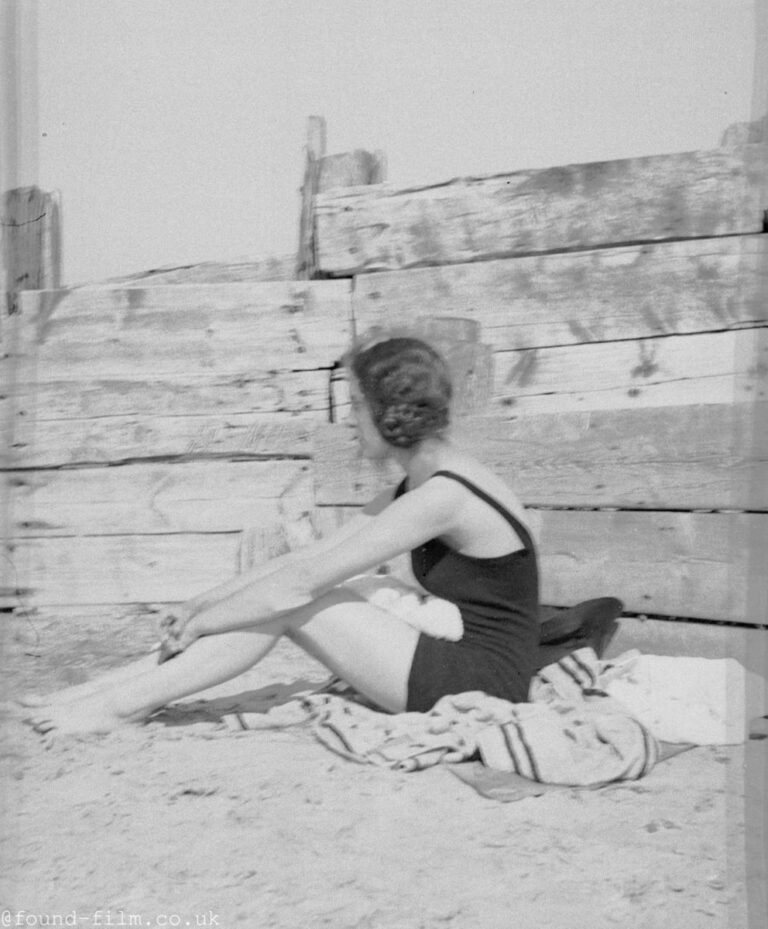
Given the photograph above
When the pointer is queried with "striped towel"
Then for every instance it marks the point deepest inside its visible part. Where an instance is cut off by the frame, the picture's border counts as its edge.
(569, 735)
(575, 676)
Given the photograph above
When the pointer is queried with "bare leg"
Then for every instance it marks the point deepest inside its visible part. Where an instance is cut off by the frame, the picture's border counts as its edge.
(368, 647)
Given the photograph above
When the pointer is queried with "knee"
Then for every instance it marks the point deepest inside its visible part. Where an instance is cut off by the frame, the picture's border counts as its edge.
(327, 603)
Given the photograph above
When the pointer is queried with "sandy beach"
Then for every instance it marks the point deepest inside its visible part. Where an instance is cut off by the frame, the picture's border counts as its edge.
(185, 822)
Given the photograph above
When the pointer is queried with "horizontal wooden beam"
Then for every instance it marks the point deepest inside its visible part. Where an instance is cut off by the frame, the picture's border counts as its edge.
(136, 303)
(714, 367)
(656, 198)
(675, 564)
(120, 439)
(592, 296)
(218, 329)
(115, 569)
(695, 565)
(689, 457)
(210, 496)
(86, 395)
(720, 367)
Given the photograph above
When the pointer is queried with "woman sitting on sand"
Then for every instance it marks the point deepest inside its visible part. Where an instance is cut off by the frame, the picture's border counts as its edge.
(469, 545)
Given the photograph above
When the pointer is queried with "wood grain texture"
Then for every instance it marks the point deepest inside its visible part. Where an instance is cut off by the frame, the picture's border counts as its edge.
(127, 302)
(685, 195)
(195, 329)
(268, 268)
(675, 564)
(314, 151)
(350, 169)
(211, 496)
(721, 367)
(120, 439)
(117, 375)
(30, 253)
(283, 392)
(696, 565)
(115, 569)
(592, 296)
(689, 457)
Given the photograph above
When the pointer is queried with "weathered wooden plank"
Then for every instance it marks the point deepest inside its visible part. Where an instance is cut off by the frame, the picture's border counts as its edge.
(30, 256)
(722, 367)
(130, 303)
(115, 569)
(685, 195)
(697, 565)
(351, 169)
(221, 328)
(618, 458)
(117, 439)
(717, 367)
(258, 270)
(210, 496)
(675, 564)
(592, 296)
(314, 151)
(84, 396)
(132, 353)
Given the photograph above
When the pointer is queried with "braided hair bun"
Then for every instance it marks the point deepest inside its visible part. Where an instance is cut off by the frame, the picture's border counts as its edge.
(407, 387)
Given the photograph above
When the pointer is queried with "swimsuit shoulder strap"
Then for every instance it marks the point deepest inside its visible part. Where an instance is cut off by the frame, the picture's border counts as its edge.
(519, 528)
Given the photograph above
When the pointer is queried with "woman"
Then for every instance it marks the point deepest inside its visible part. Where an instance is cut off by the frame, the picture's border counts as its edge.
(466, 532)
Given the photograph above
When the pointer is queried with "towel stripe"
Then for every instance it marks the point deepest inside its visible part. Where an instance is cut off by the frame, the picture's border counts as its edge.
(521, 762)
(569, 671)
(590, 672)
(536, 774)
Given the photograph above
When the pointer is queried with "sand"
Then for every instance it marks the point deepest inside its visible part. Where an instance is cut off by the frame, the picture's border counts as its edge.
(183, 822)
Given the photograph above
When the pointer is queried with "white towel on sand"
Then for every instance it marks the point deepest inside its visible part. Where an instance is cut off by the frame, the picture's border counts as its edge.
(681, 699)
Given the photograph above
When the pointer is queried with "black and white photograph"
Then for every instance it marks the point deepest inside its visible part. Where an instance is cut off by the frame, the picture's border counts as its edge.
(384, 406)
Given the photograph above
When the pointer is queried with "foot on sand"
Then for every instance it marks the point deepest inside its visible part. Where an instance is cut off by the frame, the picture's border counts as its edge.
(59, 697)
(90, 716)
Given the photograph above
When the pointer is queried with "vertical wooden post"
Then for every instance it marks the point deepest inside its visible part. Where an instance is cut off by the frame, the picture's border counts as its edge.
(324, 172)
(30, 259)
(315, 150)
(31, 243)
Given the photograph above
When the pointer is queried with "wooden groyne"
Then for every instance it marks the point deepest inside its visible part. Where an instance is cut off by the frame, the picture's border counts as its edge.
(156, 435)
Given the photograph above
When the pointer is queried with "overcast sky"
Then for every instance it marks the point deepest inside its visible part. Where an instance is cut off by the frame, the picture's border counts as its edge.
(174, 129)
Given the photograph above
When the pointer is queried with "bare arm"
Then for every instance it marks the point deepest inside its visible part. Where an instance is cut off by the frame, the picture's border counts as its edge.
(209, 598)
(297, 579)
(178, 619)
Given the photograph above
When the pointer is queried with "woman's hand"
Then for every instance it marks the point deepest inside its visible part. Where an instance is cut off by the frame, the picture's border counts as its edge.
(179, 629)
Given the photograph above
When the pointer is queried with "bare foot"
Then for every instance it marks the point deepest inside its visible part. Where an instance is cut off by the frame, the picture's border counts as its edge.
(67, 695)
(90, 688)
(89, 716)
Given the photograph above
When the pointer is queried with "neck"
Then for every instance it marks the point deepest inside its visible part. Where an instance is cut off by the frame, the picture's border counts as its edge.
(421, 462)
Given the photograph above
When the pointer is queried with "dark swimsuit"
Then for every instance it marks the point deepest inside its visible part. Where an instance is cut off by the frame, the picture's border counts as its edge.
(499, 601)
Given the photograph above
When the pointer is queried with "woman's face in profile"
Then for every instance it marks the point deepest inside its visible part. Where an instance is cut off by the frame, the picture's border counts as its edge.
(372, 445)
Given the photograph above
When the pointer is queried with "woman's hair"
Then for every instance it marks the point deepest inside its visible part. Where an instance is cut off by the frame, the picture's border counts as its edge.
(407, 387)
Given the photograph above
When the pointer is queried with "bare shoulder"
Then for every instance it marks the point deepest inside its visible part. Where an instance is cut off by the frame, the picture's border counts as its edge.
(487, 480)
